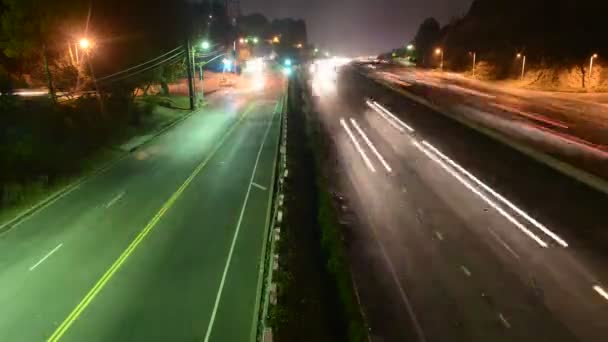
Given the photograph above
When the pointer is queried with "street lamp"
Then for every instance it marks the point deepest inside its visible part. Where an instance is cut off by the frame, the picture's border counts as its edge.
(84, 43)
(255, 40)
(594, 56)
(205, 45)
(523, 64)
(299, 45)
(439, 51)
(276, 40)
(410, 47)
(474, 54)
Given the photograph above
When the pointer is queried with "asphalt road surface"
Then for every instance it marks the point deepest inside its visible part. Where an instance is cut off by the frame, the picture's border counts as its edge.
(165, 245)
(569, 126)
(456, 237)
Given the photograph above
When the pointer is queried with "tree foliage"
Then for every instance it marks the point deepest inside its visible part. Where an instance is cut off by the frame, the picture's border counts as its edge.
(27, 25)
(426, 39)
(549, 32)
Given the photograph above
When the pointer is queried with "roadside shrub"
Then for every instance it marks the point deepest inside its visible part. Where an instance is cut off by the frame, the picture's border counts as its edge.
(6, 85)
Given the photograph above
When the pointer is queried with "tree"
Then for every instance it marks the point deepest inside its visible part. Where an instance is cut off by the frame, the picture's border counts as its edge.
(34, 28)
(254, 25)
(427, 38)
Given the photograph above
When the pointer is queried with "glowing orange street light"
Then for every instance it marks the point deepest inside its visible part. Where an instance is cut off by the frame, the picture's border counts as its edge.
(242, 40)
(474, 54)
(594, 56)
(523, 64)
(439, 51)
(276, 39)
(84, 43)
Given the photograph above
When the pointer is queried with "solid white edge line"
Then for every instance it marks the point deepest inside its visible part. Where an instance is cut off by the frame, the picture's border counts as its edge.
(46, 256)
(497, 195)
(21, 218)
(408, 127)
(482, 196)
(601, 291)
(236, 234)
(391, 122)
(465, 270)
(371, 145)
(368, 162)
(404, 297)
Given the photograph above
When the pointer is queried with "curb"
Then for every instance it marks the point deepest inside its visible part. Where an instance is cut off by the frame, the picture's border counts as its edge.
(562, 167)
(168, 127)
(8, 225)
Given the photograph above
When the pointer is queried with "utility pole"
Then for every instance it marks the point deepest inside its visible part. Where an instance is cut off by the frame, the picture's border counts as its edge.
(190, 77)
(523, 68)
(47, 71)
(99, 97)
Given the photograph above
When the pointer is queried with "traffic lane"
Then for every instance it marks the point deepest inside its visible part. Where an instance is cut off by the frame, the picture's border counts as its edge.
(521, 279)
(91, 234)
(167, 287)
(567, 277)
(407, 230)
(573, 210)
(237, 318)
(557, 114)
(565, 280)
(164, 162)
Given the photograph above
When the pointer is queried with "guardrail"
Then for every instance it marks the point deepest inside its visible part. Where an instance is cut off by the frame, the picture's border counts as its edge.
(268, 294)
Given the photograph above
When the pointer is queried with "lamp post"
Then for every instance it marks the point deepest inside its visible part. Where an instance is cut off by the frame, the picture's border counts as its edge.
(591, 66)
(86, 45)
(474, 54)
(439, 51)
(523, 64)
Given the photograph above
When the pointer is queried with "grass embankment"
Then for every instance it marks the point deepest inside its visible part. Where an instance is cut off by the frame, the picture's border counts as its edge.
(45, 146)
(316, 300)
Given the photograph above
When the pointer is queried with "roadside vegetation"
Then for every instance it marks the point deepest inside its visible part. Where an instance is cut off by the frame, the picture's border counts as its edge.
(66, 48)
(558, 39)
(316, 297)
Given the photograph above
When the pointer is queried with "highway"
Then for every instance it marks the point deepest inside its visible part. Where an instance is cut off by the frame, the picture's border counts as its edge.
(570, 126)
(165, 245)
(454, 236)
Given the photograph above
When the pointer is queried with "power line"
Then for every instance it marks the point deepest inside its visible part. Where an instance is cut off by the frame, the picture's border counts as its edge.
(139, 65)
(179, 54)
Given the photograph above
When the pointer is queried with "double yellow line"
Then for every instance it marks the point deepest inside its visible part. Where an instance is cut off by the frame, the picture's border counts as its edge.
(67, 323)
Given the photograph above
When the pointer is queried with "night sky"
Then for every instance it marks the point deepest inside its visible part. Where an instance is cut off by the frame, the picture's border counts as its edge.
(357, 27)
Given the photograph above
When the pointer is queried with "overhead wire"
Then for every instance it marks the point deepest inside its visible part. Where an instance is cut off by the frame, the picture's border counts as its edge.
(101, 79)
(169, 59)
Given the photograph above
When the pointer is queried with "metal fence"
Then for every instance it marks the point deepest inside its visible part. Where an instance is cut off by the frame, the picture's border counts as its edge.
(268, 295)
